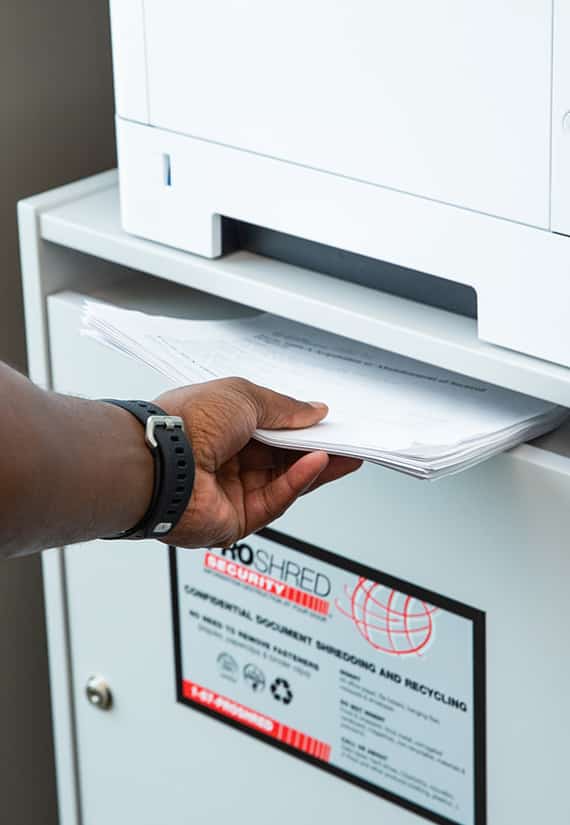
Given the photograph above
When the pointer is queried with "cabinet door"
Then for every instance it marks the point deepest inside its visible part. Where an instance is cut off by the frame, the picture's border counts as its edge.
(449, 100)
(494, 538)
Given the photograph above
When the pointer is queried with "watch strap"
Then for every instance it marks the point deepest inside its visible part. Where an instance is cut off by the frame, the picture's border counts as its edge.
(174, 469)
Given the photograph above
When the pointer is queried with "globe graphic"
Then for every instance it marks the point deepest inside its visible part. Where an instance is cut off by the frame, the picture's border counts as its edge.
(391, 622)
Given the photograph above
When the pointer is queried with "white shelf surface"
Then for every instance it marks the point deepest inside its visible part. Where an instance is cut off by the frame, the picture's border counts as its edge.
(88, 220)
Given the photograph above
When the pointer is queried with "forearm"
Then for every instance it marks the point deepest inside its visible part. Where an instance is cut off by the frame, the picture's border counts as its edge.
(71, 469)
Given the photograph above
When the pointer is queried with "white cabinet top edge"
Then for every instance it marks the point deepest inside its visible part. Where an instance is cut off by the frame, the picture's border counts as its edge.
(89, 222)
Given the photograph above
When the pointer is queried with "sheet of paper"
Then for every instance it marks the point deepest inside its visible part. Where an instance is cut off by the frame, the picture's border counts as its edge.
(380, 402)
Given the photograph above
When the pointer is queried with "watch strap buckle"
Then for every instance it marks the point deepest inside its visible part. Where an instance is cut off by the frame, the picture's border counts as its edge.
(170, 422)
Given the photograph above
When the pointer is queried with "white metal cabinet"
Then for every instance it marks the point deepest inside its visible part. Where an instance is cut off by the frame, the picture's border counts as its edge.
(495, 537)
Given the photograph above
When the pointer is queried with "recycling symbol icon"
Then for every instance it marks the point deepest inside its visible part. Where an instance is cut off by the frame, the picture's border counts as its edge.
(281, 691)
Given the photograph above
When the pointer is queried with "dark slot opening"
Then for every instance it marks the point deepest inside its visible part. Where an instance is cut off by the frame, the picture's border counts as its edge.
(358, 269)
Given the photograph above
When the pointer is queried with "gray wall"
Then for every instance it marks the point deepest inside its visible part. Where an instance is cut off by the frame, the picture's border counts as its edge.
(55, 126)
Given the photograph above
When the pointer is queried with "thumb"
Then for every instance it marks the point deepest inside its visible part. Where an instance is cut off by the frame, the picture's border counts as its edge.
(267, 503)
(281, 412)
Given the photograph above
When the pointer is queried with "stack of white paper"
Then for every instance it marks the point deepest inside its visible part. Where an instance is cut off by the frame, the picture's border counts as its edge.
(386, 408)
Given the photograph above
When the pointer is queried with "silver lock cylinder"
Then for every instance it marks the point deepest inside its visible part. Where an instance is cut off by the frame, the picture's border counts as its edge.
(98, 693)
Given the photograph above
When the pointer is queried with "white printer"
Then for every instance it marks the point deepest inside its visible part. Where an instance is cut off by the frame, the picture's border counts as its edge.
(431, 136)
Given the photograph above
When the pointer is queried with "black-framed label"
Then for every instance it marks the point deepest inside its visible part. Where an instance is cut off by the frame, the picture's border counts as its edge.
(369, 677)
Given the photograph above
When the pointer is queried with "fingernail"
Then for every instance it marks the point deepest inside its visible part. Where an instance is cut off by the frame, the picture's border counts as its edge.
(318, 405)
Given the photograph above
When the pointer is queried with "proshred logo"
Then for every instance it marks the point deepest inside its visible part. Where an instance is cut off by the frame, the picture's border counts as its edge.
(286, 570)
(252, 578)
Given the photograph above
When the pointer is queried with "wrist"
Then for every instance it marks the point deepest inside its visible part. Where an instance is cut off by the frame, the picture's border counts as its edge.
(128, 472)
(173, 462)
(99, 468)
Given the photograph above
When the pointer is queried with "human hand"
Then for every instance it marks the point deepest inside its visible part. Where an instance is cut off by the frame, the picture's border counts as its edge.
(240, 484)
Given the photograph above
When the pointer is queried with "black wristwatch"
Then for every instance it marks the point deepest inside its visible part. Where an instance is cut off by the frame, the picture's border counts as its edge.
(174, 469)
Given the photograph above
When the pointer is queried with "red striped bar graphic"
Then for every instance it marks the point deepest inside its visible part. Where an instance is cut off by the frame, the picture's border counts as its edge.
(254, 579)
(255, 720)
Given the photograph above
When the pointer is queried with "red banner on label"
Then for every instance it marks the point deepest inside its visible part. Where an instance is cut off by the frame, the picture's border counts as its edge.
(254, 579)
(255, 720)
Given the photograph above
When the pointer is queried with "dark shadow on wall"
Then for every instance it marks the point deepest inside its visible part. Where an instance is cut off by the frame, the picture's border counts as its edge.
(56, 125)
